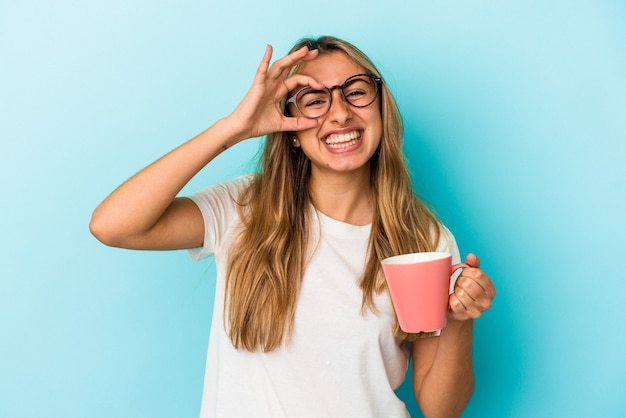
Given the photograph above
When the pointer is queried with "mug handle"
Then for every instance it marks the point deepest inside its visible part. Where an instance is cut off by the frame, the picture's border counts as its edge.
(454, 268)
(457, 266)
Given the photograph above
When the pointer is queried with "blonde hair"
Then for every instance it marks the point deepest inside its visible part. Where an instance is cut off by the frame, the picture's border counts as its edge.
(266, 263)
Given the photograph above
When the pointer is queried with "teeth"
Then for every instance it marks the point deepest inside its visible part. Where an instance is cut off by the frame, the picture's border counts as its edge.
(342, 140)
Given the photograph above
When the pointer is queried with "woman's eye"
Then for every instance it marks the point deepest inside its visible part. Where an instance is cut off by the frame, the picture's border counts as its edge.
(313, 98)
(318, 102)
(354, 93)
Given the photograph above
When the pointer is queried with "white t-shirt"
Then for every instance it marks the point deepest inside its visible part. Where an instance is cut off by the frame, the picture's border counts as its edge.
(338, 362)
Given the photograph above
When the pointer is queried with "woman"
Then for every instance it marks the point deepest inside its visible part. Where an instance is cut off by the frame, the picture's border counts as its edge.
(303, 325)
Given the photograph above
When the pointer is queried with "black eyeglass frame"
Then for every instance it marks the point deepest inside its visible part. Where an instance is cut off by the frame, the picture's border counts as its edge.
(377, 82)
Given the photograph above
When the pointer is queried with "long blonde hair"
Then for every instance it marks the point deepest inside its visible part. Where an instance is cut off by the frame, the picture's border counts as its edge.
(266, 263)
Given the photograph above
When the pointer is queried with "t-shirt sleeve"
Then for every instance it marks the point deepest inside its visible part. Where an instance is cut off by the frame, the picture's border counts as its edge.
(218, 205)
(447, 244)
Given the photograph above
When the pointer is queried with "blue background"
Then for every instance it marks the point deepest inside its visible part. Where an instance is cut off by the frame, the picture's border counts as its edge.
(516, 132)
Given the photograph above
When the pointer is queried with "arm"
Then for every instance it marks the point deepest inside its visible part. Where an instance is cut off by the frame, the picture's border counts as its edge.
(443, 376)
(144, 213)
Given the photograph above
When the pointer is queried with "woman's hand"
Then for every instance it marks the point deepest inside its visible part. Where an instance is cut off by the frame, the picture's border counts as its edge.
(259, 113)
(144, 213)
(473, 292)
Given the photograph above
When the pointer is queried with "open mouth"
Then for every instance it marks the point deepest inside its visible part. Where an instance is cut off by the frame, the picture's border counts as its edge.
(342, 140)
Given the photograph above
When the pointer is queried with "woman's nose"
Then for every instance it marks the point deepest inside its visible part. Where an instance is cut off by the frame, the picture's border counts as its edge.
(340, 110)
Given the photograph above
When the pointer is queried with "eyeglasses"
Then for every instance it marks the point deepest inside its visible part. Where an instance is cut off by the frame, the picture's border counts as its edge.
(359, 91)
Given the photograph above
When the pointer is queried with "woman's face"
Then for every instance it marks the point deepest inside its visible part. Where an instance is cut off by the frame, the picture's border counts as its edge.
(347, 136)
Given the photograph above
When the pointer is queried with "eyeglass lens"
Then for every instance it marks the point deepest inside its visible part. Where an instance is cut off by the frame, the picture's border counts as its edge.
(359, 91)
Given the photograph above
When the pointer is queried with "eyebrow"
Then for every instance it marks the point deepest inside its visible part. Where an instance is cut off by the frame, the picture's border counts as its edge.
(311, 90)
(300, 87)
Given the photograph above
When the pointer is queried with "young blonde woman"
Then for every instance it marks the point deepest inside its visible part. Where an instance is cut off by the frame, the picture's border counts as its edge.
(303, 325)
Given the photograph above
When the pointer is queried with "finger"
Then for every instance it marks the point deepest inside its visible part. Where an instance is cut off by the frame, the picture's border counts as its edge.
(485, 282)
(302, 54)
(480, 290)
(283, 65)
(311, 54)
(265, 62)
(472, 260)
(455, 303)
(476, 277)
(482, 279)
(480, 298)
(298, 123)
(469, 286)
(457, 308)
(301, 80)
(465, 306)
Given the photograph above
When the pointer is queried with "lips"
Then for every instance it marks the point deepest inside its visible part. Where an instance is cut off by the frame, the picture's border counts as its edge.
(342, 140)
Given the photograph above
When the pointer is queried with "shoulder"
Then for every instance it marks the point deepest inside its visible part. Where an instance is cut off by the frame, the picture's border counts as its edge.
(231, 188)
(219, 205)
(225, 193)
(219, 202)
(447, 243)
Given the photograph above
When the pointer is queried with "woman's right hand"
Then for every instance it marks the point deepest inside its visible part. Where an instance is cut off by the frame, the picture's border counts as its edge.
(144, 213)
(260, 113)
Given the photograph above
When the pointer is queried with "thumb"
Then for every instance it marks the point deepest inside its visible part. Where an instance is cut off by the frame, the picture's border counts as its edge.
(472, 260)
(299, 123)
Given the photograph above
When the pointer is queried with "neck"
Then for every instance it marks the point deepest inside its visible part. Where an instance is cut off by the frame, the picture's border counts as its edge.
(346, 197)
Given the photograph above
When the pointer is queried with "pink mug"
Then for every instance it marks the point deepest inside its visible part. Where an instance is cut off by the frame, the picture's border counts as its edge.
(419, 285)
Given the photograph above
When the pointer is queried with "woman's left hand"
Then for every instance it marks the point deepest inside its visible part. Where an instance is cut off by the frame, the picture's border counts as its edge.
(473, 292)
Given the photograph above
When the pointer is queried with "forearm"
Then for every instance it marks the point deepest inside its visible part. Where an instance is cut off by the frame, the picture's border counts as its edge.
(136, 206)
(447, 386)
(143, 212)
